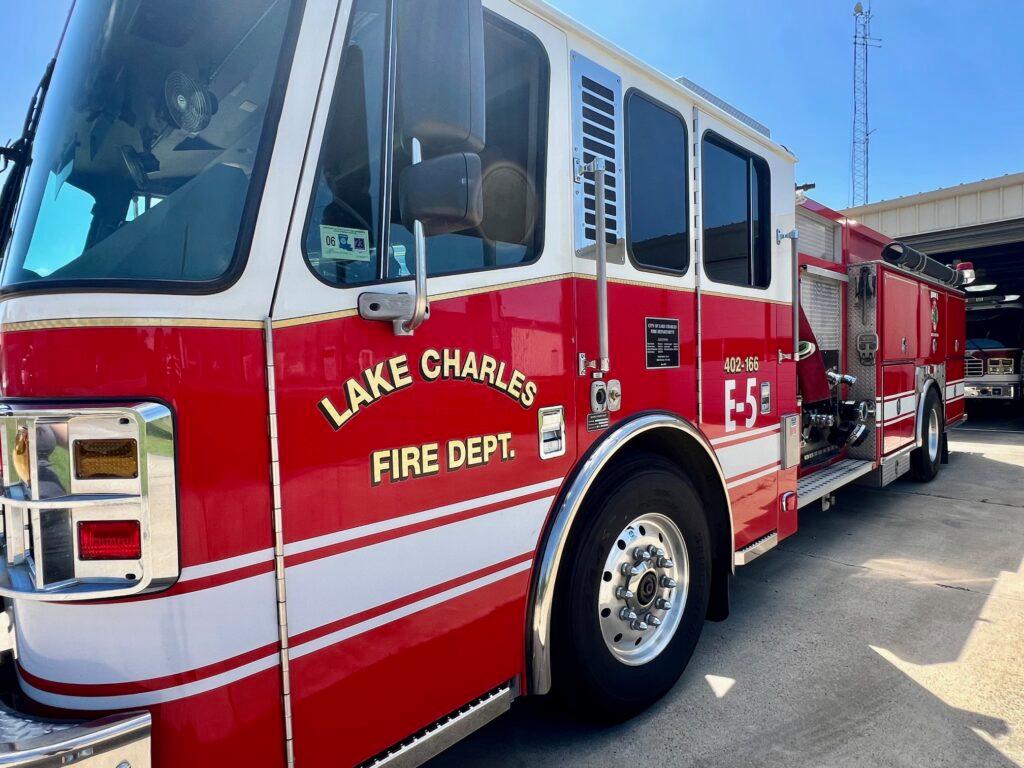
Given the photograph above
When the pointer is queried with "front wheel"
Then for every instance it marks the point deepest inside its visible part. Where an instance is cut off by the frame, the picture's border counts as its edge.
(634, 589)
(925, 461)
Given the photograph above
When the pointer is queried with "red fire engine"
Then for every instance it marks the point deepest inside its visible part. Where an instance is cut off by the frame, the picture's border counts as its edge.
(273, 497)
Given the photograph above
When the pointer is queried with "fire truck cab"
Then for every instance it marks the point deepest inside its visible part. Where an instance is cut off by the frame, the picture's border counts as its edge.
(368, 363)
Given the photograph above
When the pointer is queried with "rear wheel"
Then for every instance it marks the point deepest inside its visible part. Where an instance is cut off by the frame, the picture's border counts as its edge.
(633, 591)
(925, 461)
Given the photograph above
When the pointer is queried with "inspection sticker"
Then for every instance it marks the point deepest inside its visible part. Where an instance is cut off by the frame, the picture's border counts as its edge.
(343, 244)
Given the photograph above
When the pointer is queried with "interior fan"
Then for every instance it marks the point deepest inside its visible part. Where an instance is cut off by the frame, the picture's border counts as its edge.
(140, 165)
(189, 104)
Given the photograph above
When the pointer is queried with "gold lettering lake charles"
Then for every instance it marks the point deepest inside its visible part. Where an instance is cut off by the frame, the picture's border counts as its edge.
(395, 374)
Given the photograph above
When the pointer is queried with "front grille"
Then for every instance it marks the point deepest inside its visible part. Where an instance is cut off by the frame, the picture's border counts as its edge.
(975, 367)
(1000, 365)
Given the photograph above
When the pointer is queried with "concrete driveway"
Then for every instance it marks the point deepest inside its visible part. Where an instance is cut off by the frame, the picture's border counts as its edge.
(888, 632)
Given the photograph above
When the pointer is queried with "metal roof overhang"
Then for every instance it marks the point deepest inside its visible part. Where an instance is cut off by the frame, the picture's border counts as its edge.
(968, 238)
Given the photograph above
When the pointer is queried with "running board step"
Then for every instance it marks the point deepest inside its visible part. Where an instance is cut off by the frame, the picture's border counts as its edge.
(756, 548)
(825, 481)
(436, 738)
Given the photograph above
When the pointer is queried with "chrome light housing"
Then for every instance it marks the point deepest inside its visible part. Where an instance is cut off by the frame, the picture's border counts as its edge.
(47, 501)
(1000, 365)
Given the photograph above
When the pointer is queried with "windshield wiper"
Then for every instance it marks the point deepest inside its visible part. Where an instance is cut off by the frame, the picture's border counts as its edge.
(17, 156)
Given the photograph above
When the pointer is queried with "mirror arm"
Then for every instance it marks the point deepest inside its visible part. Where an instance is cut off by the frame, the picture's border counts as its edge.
(405, 313)
(421, 306)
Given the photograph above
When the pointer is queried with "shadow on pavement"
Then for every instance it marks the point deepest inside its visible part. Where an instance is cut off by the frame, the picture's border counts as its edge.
(887, 632)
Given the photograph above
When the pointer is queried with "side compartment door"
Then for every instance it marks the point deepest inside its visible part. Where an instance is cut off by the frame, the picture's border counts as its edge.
(955, 338)
(416, 472)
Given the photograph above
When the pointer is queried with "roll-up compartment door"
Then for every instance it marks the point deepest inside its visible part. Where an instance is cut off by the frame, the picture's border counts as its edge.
(821, 300)
(818, 237)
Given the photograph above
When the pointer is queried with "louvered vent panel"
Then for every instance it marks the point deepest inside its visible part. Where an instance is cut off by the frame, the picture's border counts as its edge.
(817, 237)
(820, 300)
(597, 132)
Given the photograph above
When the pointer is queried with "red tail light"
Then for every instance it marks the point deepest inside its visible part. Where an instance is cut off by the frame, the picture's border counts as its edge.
(109, 540)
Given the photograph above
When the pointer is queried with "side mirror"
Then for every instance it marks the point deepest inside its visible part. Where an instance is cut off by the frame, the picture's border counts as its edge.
(444, 194)
(441, 75)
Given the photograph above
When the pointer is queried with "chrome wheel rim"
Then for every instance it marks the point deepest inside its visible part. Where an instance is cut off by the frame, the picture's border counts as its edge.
(644, 585)
(933, 435)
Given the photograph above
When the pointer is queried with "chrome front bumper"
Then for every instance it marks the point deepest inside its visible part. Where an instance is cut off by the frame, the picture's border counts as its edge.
(118, 741)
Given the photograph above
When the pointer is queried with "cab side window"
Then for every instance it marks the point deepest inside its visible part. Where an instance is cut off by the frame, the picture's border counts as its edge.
(656, 149)
(512, 161)
(348, 218)
(736, 200)
(344, 224)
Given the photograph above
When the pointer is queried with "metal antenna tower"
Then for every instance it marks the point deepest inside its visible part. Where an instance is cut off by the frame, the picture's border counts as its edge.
(862, 40)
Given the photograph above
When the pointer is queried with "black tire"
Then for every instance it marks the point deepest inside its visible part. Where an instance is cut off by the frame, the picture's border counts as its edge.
(587, 675)
(923, 465)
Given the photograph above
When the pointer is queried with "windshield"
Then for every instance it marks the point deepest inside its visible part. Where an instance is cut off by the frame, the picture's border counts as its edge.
(986, 344)
(142, 165)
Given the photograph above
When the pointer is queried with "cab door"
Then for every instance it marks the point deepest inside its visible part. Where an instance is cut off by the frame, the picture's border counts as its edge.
(417, 471)
(745, 287)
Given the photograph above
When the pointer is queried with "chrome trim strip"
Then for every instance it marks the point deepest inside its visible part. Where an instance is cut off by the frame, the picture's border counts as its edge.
(116, 740)
(83, 501)
(929, 383)
(542, 602)
(698, 256)
(278, 530)
(756, 548)
(827, 274)
(447, 731)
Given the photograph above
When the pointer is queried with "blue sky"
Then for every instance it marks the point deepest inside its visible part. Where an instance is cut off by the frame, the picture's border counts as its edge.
(945, 95)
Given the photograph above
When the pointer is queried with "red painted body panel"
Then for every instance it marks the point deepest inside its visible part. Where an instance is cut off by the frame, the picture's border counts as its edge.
(898, 316)
(745, 329)
(669, 389)
(956, 324)
(899, 430)
(213, 380)
(360, 696)
(465, 646)
(931, 325)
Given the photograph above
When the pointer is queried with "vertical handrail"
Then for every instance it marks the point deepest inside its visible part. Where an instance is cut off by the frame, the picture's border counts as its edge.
(603, 355)
(597, 168)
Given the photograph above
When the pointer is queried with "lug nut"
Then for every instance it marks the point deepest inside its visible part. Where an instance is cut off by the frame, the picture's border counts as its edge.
(668, 583)
(656, 551)
(640, 553)
(623, 594)
(627, 615)
(639, 626)
(631, 570)
(653, 620)
(663, 604)
(666, 562)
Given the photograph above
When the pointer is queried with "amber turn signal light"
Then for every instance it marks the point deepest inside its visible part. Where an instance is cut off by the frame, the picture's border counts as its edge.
(109, 540)
(106, 459)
